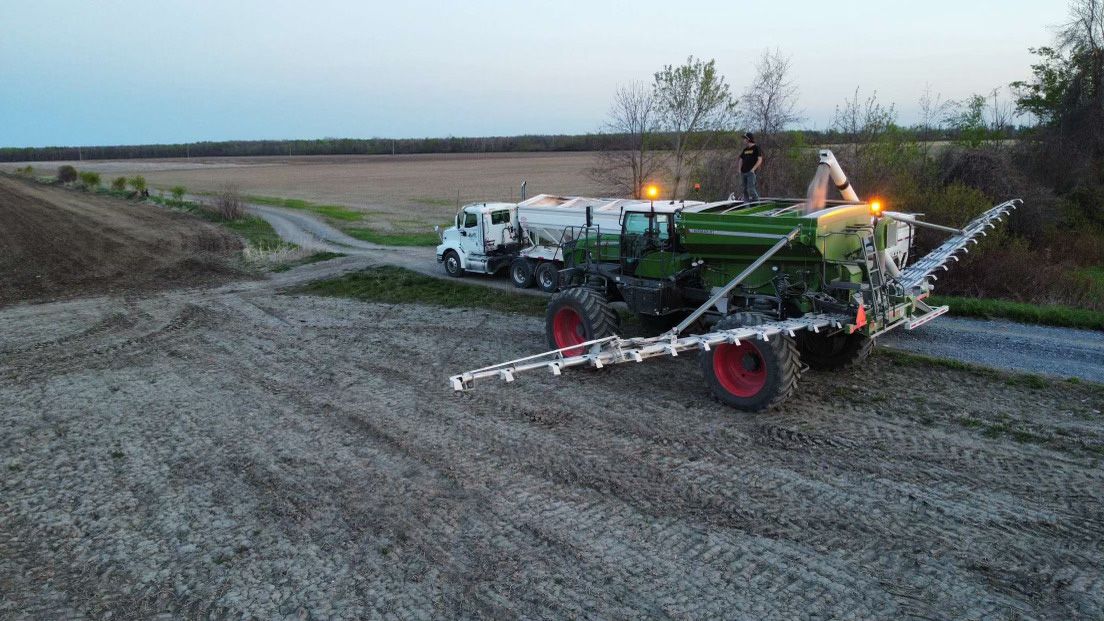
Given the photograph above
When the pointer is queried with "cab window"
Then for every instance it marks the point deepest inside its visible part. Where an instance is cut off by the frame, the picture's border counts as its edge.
(500, 217)
(470, 220)
(638, 224)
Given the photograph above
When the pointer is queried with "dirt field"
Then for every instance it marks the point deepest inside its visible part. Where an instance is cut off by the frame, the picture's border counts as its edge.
(56, 243)
(403, 189)
(238, 451)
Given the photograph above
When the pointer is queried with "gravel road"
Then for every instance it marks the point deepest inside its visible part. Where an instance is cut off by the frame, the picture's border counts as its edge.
(1059, 352)
(239, 452)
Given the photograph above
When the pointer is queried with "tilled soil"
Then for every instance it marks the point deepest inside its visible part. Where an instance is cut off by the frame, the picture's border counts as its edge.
(404, 191)
(61, 243)
(240, 452)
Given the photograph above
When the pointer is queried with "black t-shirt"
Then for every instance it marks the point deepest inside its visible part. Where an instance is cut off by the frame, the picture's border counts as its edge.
(749, 156)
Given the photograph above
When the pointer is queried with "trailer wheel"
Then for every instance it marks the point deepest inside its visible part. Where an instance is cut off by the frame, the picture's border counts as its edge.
(521, 273)
(452, 264)
(754, 375)
(547, 276)
(833, 353)
(578, 315)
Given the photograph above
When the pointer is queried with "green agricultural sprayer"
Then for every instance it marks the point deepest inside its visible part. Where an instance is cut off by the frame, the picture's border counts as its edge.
(760, 290)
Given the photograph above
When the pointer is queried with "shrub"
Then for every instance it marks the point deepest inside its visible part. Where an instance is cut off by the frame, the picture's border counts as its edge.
(66, 174)
(119, 184)
(89, 179)
(26, 170)
(228, 204)
(178, 192)
(138, 183)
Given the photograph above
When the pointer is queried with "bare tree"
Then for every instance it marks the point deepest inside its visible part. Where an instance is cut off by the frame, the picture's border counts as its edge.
(694, 103)
(633, 115)
(1084, 32)
(769, 104)
(1001, 112)
(863, 120)
(933, 111)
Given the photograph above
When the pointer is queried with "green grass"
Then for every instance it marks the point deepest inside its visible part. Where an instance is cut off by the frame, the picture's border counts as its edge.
(1051, 315)
(1096, 274)
(394, 239)
(258, 232)
(336, 212)
(401, 286)
(314, 258)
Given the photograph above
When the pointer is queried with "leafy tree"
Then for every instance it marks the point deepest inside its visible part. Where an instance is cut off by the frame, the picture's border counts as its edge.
(1043, 95)
(970, 122)
(138, 183)
(66, 174)
(694, 102)
(118, 184)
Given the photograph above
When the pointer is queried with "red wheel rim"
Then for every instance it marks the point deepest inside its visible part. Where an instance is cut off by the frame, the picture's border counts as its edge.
(568, 330)
(739, 369)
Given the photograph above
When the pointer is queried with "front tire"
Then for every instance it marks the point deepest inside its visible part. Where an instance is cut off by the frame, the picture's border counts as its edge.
(452, 264)
(578, 315)
(833, 353)
(755, 375)
(521, 273)
(547, 277)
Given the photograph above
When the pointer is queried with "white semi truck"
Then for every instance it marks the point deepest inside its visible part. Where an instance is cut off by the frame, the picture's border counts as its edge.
(527, 238)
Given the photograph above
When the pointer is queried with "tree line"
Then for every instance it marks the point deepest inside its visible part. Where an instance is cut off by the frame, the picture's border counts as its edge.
(606, 141)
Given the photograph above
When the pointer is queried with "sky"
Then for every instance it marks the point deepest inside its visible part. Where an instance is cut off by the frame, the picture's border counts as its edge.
(165, 71)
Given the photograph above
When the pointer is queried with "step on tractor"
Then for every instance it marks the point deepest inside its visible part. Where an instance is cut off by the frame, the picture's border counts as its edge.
(760, 290)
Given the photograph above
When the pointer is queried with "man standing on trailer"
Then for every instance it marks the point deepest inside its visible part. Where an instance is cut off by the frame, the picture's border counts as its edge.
(751, 158)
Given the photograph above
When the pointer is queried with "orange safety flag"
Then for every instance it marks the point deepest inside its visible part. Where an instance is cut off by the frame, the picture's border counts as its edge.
(860, 318)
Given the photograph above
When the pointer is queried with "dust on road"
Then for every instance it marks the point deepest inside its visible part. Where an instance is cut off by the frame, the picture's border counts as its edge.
(238, 451)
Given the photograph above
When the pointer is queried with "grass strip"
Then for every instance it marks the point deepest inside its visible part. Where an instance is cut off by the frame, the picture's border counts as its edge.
(314, 258)
(1050, 315)
(336, 212)
(394, 239)
(257, 231)
(396, 285)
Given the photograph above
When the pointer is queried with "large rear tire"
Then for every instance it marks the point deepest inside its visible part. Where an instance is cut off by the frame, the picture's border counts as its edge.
(833, 353)
(755, 375)
(547, 277)
(521, 273)
(452, 264)
(578, 315)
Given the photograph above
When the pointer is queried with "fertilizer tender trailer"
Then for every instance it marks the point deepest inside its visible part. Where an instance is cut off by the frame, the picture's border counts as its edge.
(761, 290)
(526, 239)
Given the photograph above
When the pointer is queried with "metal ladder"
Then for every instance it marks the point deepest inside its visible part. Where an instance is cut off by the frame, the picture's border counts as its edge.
(878, 302)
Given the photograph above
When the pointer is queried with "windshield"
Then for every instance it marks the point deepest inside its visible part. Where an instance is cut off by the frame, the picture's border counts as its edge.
(638, 223)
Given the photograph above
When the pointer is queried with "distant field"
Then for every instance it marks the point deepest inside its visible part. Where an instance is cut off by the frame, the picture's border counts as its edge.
(401, 192)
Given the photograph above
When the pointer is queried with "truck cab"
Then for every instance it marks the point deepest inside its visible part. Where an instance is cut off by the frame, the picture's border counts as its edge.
(481, 239)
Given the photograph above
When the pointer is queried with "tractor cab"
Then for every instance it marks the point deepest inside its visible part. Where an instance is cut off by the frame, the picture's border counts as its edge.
(648, 243)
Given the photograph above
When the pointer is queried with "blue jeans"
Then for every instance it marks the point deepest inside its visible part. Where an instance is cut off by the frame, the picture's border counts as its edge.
(750, 194)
